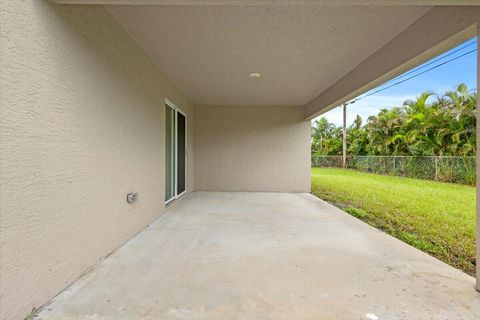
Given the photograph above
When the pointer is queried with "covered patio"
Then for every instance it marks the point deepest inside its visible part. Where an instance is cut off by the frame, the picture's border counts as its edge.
(191, 118)
(266, 256)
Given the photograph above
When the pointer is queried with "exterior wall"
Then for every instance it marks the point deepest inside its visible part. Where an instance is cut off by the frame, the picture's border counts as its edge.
(252, 149)
(82, 125)
(478, 160)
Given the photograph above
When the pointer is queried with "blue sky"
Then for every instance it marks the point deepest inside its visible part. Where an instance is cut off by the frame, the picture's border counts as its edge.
(439, 80)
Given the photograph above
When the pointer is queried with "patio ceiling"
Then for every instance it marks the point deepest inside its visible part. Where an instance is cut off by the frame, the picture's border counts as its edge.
(317, 55)
(209, 51)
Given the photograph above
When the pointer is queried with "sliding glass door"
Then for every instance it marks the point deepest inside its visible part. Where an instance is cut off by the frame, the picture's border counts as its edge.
(175, 152)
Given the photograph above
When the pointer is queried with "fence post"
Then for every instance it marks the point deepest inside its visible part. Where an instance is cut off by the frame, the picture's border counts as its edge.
(344, 140)
(436, 169)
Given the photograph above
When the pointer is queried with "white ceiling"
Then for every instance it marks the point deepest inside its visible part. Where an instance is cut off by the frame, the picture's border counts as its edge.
(209, 51)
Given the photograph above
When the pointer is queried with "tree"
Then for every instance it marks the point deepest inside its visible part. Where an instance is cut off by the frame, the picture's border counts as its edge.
(445, 126)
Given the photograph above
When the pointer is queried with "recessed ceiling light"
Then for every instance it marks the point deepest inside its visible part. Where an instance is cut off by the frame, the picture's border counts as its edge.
(254, 75)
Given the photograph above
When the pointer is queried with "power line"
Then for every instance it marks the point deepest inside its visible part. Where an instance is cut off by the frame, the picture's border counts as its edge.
(433, 61)
(411, 77)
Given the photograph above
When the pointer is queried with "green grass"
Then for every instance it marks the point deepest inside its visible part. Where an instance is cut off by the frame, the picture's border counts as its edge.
(435, 217)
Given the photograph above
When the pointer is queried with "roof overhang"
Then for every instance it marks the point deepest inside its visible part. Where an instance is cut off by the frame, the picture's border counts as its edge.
(441, 29)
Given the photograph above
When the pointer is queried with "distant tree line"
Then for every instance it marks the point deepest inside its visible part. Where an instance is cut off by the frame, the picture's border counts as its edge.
(443, 127)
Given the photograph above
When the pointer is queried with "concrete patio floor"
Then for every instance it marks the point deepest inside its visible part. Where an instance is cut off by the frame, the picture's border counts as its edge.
(265, 256)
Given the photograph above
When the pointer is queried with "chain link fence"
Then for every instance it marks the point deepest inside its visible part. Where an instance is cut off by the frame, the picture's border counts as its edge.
(445, 169)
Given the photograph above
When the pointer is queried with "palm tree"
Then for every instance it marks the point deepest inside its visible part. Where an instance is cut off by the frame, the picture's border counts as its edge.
(445, 126)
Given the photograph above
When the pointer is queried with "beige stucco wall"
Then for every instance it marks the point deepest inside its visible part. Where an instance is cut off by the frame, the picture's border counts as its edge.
(252, 149)
(81, 126)
(478, 162)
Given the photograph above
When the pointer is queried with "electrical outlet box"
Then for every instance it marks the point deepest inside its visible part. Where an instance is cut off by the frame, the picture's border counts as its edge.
(132, 197)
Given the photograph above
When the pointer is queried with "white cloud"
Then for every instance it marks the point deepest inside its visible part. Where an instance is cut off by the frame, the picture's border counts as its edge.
(366, 107)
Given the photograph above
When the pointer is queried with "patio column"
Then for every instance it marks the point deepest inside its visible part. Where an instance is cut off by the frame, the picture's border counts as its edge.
(478, 158)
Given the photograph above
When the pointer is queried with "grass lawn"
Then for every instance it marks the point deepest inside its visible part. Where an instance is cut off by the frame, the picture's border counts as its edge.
(438, 218)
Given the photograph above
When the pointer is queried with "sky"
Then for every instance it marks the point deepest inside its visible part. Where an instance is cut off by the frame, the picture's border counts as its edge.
(439, 80)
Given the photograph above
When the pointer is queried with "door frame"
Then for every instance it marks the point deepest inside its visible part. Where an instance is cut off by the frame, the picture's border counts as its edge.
(177, 111)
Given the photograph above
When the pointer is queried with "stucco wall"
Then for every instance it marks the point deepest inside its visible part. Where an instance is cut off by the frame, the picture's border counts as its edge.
(82, 124)
(252, 149)
(478, 163)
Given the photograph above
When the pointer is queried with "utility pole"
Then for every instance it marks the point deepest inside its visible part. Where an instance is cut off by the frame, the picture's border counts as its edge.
(344, 158)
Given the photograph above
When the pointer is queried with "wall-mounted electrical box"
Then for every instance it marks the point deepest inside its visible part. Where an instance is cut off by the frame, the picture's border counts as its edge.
(132, 197)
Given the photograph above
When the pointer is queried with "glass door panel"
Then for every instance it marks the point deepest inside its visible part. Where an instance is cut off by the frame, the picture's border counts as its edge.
(181, 140)
(169, 153)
